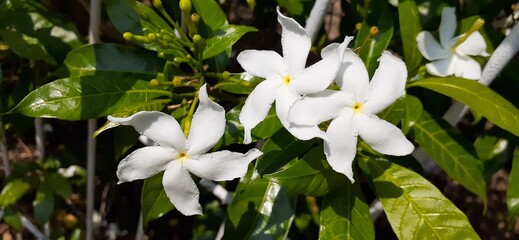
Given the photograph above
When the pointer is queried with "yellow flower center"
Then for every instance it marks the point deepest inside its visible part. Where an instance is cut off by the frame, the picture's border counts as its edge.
(286, 80)
(182, 156)
(357, 107)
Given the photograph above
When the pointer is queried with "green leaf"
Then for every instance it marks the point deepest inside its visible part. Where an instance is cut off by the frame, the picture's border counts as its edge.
(260, 210)
(58, 184)
(512, 194)
(135, 17)
(124, 139)
(311, 175)
(86, 97)
(13, 191)
(43, 206)
(112, 60)
(211, 13)
(415, 208)
(294, 7)
(394, 112)
(280, 149)
(410, 26)
(26, 46)
(413, 111)
(493, 151)
(345, 214)
(452, 152)
(224, 38)
(154, 201)
(13, 219)
(478, 97)
(371, 49)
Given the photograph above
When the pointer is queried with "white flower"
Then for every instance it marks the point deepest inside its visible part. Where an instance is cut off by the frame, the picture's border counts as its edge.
(353, 110)
(286, 78)
(178, 156)
(449, 57)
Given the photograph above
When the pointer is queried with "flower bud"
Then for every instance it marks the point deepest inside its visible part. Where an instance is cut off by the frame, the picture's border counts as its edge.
(226, 74)
(197, 39)
(157, 3)
(178, 60)
(128, 36)
(185, 6)
(358, 26)
(152, 37)
(154, 82)
(373, 31)
(195, 18)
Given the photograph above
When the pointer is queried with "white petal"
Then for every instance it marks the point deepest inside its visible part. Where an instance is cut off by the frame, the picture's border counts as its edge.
(443, 67)
(316, 108)
(316, 77)
(296, 43)
(222, 165)
(145, 162)
(265, 64)
(258, 105)
(158, 126)
(341, 147)
(353, 76)
(467, 67)
(181, 190)
(283, 103)
(429, 47)
(333, 48)
(474, 45)
(448, 26)
(387, 85)
(207, 126)
(382, 136)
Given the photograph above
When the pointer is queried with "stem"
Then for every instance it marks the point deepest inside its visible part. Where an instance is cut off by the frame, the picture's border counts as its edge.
(158, 6)
(38, 126)
(93, 37)
(189, 117)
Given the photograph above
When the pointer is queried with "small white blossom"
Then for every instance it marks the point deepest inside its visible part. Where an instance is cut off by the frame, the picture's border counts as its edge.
(449, 57)
(178, 156)
(286, 78)
(353, 111)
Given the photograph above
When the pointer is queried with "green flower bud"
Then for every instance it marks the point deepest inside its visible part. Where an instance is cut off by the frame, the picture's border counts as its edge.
(128, 36)
(195, 18)
(157, 3)
(185, 6)
(197, 39)
(152, 37)
(154, 83)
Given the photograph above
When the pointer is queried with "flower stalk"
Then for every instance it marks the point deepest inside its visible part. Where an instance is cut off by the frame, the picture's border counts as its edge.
(475, 27)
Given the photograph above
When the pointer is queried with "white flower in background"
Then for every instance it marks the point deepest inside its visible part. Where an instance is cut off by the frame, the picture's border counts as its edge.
(353, 110)
(451, 55)
(178, 156)
(286, 78)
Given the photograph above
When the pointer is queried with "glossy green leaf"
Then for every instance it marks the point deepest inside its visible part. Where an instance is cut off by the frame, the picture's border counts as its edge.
(135, 17)
(43, 206)
(512, 194)
(311, 175)
(235, 87)
(294, 7)
(112, 60)
(415, 208)
(86, 97)
(154, 201)
(224, 38)
(280, 149)
(371, 49)
(260, 210)
(211, 13)
(478, 97)
(345, 214)
(493, 151)
(35, 28)
(410, 26)
(12, 191)
(13, 219)
(394, 112)
(413, 111)
(57, 184)
(452, 152)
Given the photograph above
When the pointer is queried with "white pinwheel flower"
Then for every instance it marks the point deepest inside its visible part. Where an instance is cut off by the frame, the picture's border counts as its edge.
(286, 78)
(353, 110)
(451, 55)
(178, 156)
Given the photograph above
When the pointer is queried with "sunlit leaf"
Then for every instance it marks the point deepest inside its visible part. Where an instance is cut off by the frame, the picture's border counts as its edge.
(345, 214)
(451, 151)
(415, 208)
(512, 194)
(410, 26)
(478, 97)
(13, 191)
(86, 97)
(154, 201)
(211, 13)
(260, 210)
(311, 175)
(294, 7)
(224, 38)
